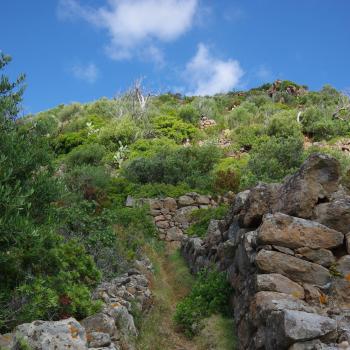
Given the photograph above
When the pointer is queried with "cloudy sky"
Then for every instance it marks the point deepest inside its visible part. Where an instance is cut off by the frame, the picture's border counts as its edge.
(81, 50)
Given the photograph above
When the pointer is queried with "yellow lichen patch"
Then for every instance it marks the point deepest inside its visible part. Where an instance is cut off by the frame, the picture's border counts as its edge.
(323, 298)
(296, 294)
(74, 331)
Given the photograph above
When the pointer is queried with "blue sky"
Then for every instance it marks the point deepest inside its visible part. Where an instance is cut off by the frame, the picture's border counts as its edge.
(81, 50)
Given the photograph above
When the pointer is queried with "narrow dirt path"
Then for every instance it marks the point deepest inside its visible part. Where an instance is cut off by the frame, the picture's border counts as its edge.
(170, 283)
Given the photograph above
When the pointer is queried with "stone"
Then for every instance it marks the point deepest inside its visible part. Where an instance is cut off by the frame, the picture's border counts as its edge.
(239, 202)
(52, 335)
(310, 345)
(336, 213)
(174, 234)
(257, 203)
(130, 201)
(290, 326)
(275, 282)
(162, 224)
(213, 235)
(170, 204)
(343, 265)
(341, 284)
(283, 250)
(159, 218)
(185, 201)
(316, 180)
(312, 293)
(99, 322)
(124, 320)
(98, 339)
(182, 215)
(204, 200)
(155, 204)
(347, 242)
(296, 269)
(292, 232)
(266, 302)
(6, 340)
(322, 257)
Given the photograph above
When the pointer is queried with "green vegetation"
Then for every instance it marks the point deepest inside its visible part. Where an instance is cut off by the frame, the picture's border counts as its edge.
(209, 295)
(200, 219)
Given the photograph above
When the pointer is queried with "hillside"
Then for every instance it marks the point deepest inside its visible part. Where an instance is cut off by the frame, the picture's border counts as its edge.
(67, 174)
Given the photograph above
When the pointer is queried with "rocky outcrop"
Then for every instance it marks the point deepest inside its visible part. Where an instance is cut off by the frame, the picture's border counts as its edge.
(285, 248)
(112, 328)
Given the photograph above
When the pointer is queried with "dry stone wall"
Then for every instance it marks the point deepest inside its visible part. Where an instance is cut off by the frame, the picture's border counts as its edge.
(172, 216)
(285, 248)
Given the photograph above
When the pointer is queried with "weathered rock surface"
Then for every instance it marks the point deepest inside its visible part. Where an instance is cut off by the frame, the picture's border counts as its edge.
(50, 335)
(275, 282)
(296, 269)
(335, 213)
(291, 232)
(316, 180)
(322, 257)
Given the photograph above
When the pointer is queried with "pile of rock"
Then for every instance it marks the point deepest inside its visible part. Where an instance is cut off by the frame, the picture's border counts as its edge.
(205, 122)
(113, 328)
(286, 250)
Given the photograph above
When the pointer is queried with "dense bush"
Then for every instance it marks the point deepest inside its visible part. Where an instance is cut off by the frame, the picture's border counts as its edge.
(91, 154)
(123, 130)
(64, 143)
(274, 159)
(200, 219)
(173, 128)
(210, 294)
(319, 124)
(192, 165)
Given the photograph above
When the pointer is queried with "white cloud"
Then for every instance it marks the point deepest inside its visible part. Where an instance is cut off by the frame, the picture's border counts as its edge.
(263, 73)
(208, 75)
(136, 25)
(88, 73)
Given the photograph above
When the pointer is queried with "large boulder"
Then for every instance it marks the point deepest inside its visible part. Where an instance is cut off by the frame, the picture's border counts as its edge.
(290, 326)
(257, 202)
(288, 231)
(52, 335)
(99, 322)
(296, 269)
(336, 213)
(315, 181)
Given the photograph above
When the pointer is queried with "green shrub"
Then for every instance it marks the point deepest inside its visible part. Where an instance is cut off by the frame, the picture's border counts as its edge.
(149, 147)
(210, 294)
(173, 128)
(64, 143)
(284, 124)
(89, 181)
(319, 124)
(275, 158)
(200, 219)
(189, 114)
(68, 112)
(190, 165)
(248, 137)
(123, 130)
(90, 154)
